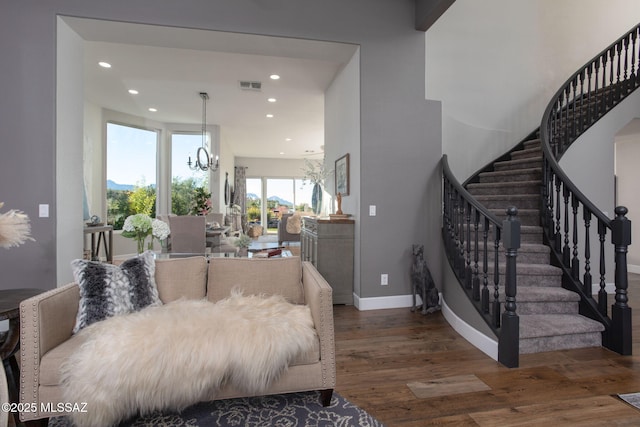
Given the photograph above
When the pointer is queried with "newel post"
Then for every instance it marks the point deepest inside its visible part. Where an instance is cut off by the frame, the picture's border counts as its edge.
(509, 341)
(621, 339)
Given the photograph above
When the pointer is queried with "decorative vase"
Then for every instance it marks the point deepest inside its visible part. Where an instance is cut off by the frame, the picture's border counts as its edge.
(316, 198)
(243, 252)
(140, 241)
(150, 245)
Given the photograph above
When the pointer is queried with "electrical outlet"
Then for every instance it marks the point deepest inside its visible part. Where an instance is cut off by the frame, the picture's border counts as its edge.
(384, 279)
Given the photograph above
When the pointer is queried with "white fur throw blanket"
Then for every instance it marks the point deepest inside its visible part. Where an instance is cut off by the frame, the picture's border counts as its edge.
(173, 356)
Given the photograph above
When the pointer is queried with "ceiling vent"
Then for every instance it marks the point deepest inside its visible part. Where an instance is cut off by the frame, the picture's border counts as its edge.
(247, 85)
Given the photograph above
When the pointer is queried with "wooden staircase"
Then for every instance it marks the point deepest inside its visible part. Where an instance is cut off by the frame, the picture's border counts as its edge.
(549, 318)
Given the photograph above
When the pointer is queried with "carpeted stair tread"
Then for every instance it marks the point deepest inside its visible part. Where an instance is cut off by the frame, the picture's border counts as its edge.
(496, 188)
(521, 201)
(525, 174)
(526, 216)
(517, 164)
(535, 152)
(544, 325)
(545, 294)
(532, 143)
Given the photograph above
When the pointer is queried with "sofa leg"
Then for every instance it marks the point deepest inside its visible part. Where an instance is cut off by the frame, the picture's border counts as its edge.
(325, 397)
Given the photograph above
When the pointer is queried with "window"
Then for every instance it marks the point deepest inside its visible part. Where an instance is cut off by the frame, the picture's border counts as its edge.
(254, 200)
(280, 196)
(131, 172)
(183, 179)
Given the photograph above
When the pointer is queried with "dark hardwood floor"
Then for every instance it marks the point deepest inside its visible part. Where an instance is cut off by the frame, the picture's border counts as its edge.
(380, 352)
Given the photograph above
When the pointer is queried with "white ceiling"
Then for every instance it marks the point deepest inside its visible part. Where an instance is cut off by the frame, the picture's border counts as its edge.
(171, 66)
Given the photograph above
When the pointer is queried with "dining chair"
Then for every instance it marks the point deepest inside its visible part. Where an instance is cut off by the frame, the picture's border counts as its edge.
(188, 234)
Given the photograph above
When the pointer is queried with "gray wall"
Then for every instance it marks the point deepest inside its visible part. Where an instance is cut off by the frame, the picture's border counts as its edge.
(400, 131)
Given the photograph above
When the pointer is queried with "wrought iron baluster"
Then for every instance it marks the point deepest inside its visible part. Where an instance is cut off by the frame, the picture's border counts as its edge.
(611, 74)
(587, 279)
(485, 266)
(602, 293)
(575, 262)
(460, 263)
(476, 279)
(566, 252)
(558, 235)
(467, 272)
(496, 278)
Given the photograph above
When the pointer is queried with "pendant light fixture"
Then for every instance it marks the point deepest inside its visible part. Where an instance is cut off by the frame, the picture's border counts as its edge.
(204, 162)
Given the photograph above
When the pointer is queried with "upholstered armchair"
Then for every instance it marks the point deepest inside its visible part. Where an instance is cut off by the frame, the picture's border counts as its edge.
(289, 228)
(188, 234)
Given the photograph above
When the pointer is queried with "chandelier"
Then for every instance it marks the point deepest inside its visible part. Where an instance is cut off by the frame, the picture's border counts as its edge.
(204, 162)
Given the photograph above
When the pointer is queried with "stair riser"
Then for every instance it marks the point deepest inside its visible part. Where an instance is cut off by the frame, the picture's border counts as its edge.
(545, 307)
(528, 176)
(532, 202)
(525, 218)
(504, 166)
(524, 236)
(521, 279)
(527, 154)
(522, 258)
(497, 189)
(562, 342)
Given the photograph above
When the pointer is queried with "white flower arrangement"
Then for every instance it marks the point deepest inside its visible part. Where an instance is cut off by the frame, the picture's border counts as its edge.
(160, 229)
(15, 228)
(314, 171)
(139, 226)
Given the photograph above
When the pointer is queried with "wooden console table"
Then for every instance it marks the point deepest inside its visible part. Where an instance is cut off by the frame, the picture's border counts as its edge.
(329, 245)
(101, 231)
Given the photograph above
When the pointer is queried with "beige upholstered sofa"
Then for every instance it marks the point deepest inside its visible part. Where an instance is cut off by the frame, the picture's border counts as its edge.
(47, 321)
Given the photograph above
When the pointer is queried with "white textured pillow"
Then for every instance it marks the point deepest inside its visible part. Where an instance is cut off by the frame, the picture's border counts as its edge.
(108, 290)
(294, 224)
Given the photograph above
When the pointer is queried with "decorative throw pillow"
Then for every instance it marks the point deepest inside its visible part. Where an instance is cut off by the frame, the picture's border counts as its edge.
(294, 224)
(108, 290)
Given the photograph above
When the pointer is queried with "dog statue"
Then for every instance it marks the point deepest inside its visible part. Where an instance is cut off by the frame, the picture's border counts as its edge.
(422, 283)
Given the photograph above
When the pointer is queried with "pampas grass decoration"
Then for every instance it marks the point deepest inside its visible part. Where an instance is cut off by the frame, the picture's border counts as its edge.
(15, 228)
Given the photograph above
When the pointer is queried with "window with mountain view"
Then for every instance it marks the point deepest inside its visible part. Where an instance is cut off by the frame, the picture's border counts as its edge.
(283, 195)
(184, 180)
(131, 172)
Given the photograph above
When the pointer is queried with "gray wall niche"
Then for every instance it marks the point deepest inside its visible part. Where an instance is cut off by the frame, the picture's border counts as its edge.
(400, 136)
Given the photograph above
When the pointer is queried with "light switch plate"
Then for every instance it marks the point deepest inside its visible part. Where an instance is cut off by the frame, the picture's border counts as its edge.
(43, 211)
(372, 210)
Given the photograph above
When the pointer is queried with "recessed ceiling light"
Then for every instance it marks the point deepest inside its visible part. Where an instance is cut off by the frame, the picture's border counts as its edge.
(271, 99)
(153, 110)
(274, 77)
(269, 116)
(282, 152)
(104, 64)
(287, 139)
(133, 92)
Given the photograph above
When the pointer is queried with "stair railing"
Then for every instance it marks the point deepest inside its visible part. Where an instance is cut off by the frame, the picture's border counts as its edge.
(586, 97)
(470, 234)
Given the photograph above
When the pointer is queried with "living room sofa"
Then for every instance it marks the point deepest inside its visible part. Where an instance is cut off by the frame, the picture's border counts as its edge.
(47, 322)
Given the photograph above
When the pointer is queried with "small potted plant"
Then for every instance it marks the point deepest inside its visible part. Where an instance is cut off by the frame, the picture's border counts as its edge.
(242, 243)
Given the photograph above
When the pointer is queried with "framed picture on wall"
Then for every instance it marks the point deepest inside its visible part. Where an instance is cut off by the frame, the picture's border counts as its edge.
(342, 175)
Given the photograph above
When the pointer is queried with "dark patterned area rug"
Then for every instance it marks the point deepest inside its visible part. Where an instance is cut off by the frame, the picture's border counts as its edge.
(285, 410)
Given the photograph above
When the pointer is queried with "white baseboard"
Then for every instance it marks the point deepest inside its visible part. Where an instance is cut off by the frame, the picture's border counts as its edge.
(482, 342)
(380, 303)
(633, 268)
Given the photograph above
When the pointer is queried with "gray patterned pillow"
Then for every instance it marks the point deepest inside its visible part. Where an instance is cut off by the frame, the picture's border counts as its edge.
(108, 290)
